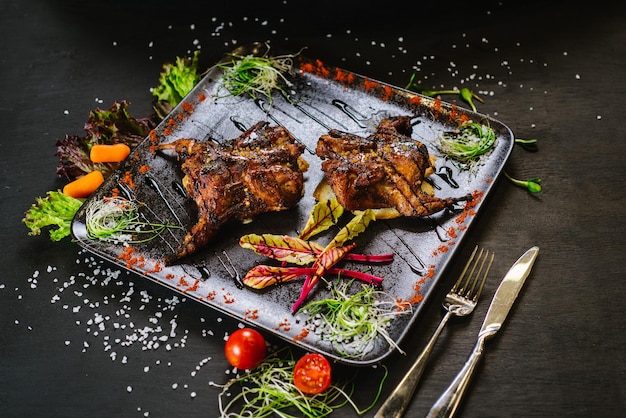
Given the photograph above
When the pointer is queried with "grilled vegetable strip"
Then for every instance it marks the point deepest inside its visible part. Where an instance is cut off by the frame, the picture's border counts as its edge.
(324, 215)
(263, 276)
(328, 258)
(298, 251)
(282, 248)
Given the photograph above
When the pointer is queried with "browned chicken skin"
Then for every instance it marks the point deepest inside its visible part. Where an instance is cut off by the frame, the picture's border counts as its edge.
(383, 170)
(260, 171)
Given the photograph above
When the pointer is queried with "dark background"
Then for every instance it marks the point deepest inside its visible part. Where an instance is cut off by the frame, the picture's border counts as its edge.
(78, 338)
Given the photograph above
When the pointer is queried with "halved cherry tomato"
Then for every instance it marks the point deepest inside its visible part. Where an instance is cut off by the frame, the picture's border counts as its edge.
(245, 349)
(312, 374)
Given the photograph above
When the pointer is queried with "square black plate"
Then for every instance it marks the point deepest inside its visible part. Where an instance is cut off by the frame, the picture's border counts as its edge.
(322, 98)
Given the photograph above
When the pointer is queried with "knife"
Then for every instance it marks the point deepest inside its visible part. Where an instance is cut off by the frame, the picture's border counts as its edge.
(503, 299)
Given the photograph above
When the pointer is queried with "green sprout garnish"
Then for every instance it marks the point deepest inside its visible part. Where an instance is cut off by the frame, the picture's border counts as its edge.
(466, 94)
(268, 390)
(254, 75)
(467, 144)
(527, 144)
(117, 220)
(353, 322)
(533, 185)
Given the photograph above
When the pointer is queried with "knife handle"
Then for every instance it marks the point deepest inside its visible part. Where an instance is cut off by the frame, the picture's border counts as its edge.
(450, 399)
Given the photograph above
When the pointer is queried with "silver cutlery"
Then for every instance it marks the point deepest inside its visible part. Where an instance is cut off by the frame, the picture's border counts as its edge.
(460, 301)
(505, 296)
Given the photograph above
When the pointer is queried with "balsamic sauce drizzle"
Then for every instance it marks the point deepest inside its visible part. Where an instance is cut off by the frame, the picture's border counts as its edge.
(417, 270)
(154, 185)
(179, 189)
(238, 124)
(439, 230)
(267, 108)
(445, 173)
(350, 111)
(231, 270)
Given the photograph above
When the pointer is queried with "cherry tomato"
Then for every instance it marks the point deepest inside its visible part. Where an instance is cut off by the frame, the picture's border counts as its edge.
(312, 374)
(245, 349)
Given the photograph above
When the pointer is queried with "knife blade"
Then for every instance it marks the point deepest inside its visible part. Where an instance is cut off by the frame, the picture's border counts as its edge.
(501, 304)
(507, 292)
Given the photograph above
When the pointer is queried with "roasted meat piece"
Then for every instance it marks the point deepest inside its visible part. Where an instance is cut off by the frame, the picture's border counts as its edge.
(260, 171)
(384, 170)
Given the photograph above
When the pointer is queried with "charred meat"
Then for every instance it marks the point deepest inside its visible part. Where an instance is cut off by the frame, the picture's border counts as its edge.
(259, 171)
(384, 170)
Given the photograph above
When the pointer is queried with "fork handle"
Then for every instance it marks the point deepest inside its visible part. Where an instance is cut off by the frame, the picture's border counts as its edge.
(450, 399)
(397, 403)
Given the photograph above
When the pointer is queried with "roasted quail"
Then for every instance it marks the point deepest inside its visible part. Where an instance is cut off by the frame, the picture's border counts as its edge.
(383, 170)
(259, 171)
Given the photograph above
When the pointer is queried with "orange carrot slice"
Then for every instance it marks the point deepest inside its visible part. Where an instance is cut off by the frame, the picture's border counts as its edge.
(102, 153)
(85, 185)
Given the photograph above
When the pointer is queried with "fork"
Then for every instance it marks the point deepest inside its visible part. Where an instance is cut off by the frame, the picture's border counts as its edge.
(460, 301)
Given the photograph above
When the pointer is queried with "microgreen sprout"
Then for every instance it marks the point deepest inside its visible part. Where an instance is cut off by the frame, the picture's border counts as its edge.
(466, 94)
(527, 144)
(116, 219)
(257, 75)
(353, 322)
(268, 390)
(467, 144)
(533, 185)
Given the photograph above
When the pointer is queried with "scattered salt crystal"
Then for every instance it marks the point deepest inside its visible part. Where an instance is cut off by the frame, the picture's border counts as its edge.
(174, 386)
(67, 342)
(129, 389)
(193, 394)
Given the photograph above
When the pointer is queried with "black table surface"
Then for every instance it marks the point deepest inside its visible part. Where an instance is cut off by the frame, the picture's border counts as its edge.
(81, 338)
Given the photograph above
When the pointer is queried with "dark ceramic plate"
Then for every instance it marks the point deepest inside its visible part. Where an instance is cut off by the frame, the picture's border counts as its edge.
(323, 98)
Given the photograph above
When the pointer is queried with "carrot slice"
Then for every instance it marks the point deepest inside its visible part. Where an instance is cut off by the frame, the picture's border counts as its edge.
(114, 153)
(85, 185)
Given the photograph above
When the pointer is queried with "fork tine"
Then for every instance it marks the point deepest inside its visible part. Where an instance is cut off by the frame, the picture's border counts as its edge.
(466, 285)
(459, 282)
(478, 280)
(484, 277)
(470, 282)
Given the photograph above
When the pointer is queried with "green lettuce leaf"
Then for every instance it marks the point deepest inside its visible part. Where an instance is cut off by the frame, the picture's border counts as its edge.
(56, 209)
(175, 82)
